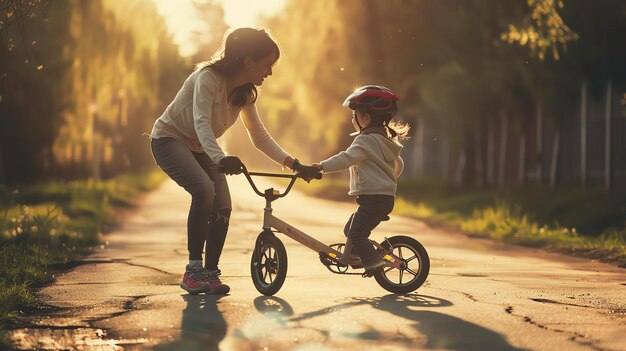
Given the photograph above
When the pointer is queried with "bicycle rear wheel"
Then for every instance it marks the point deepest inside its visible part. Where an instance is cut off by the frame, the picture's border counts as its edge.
(268, 266)
(415, 265)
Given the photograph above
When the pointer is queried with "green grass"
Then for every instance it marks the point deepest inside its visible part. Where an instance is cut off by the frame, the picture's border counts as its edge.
(583, 222)
(46, 224)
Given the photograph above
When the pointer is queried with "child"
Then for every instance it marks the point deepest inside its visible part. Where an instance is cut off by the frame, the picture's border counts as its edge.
(374, 162)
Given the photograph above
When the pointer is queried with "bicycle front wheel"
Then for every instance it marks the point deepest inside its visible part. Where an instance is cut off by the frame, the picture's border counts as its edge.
(415, 265)
(268, 266)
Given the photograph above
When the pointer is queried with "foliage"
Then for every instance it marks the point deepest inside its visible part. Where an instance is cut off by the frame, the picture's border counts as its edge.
(101, 72)
(450, 65)
(51, 223)
(527, 216)
(209, 40)
(542, 30)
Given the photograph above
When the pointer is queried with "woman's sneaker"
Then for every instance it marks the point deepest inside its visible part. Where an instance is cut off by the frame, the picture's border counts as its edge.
(195, 280)
(215, 284)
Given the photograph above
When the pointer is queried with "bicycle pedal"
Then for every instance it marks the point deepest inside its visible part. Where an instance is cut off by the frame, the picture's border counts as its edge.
(369, 274)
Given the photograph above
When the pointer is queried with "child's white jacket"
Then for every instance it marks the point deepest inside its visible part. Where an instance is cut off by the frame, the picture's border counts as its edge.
(374, 161)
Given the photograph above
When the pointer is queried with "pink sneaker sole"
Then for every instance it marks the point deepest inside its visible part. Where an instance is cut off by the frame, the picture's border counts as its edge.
(219, 290)
(194, 290)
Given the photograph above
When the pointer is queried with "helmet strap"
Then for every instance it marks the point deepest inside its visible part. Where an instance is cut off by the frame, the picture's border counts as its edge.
(359, 124)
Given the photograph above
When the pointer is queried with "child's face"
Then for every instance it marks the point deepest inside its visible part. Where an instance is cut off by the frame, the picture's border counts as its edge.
(362, 118)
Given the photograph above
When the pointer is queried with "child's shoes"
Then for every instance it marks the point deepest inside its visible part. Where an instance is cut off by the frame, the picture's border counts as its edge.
(373, 265)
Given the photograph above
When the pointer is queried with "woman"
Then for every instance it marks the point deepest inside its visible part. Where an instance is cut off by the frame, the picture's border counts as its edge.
(183, 142)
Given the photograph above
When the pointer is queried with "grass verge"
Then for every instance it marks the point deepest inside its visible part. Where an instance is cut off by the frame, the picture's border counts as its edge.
(47, 224)
(583, 222)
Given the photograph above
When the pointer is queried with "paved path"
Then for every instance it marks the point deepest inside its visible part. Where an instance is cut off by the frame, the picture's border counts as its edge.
(480, 295)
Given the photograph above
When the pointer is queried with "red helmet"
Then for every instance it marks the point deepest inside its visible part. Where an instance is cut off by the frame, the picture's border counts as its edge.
(374, 98)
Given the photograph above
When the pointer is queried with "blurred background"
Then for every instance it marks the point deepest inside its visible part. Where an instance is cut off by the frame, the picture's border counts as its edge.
(498, 93)
(517, 110)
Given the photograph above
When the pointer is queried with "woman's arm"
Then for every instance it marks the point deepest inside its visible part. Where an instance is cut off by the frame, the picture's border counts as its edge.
(261, 139)
(203, 98)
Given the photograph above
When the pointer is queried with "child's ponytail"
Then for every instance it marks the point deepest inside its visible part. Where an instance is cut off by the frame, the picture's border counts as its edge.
(397, 130)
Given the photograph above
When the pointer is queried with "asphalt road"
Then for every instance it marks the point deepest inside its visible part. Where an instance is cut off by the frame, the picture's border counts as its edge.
(480, 295)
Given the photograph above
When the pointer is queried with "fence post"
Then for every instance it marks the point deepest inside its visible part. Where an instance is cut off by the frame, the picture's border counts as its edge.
(607, 138)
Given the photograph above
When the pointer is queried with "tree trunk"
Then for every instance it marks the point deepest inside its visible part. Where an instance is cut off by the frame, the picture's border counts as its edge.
(376, 44)
(539, 143)
(583, 135)
(555, 159)
(607, 138)
(445, 143)
(503, 143)
(418, 146)
(522, 160)
(478, 158)
(460, 167)
(490, 153)
(2, 176)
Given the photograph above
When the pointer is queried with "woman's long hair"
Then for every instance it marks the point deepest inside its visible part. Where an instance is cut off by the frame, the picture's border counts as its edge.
(239, 44)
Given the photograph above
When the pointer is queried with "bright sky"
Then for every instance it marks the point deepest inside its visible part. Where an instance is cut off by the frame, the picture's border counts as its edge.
(182, 21)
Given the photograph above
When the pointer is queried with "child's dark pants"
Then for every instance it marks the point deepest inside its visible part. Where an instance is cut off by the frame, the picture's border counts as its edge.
(371, 211)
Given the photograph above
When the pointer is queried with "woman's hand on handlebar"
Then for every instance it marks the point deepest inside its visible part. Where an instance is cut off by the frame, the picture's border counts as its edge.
(231, 165)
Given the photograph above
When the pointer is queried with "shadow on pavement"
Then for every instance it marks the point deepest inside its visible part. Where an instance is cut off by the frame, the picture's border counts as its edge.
(441, 331)
(202, 325)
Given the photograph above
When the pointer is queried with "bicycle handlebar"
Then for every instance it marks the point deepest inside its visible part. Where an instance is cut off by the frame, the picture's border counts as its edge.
(293, 178)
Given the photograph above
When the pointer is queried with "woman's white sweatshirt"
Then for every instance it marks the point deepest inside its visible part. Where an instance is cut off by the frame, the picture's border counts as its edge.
(200, 113)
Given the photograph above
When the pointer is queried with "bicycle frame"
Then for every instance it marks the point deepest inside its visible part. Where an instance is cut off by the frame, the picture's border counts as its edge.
(272, 222)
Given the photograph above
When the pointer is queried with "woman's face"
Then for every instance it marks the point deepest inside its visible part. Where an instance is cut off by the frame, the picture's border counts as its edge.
(257, 71)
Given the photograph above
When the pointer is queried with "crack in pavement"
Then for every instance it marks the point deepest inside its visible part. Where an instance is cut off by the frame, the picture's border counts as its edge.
(575, 337)
(56, 327)
(125, 261)
(559, 303)
(129, 306)
(470, 297)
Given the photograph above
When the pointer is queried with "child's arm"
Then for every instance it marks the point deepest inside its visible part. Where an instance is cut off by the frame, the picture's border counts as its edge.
(398, 164)
(355, 153)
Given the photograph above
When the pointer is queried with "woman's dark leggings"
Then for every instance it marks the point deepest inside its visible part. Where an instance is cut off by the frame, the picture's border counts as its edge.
(372, 210)
(210, 209)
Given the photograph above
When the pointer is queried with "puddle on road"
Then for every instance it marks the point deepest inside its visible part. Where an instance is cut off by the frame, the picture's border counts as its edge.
(72, 338)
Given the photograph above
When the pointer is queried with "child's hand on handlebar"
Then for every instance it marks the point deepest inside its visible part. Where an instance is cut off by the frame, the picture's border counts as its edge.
(306, 172)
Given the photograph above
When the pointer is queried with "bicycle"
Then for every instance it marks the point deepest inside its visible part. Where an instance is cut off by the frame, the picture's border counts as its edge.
(268, 265)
